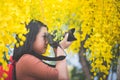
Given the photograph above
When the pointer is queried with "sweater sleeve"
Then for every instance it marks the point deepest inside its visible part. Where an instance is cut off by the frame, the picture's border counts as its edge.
(33, 67)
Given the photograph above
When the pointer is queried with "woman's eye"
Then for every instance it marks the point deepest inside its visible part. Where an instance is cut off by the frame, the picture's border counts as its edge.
(45, 36)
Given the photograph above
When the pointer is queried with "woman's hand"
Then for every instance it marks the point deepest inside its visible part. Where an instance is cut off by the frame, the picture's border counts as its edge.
(64, 43)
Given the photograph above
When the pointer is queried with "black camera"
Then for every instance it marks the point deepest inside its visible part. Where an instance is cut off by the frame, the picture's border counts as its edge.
(55, 44)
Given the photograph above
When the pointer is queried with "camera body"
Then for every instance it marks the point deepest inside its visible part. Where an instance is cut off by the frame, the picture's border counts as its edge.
(55, 43)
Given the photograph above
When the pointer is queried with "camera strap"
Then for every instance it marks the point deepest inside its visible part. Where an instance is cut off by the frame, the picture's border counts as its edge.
(47, 58)
(41, 57)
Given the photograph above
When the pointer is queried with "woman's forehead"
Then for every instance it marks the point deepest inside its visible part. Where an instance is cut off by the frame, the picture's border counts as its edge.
(43, 30)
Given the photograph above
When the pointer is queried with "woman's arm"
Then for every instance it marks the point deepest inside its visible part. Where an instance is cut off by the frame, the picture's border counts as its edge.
(61, 66)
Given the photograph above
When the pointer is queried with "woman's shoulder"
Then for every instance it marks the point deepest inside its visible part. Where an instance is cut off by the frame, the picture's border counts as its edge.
(27, 65)
(26, 56)
(30, 66)
(28, 59)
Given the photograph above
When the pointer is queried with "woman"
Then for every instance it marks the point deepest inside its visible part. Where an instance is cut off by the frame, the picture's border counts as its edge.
(28, 66)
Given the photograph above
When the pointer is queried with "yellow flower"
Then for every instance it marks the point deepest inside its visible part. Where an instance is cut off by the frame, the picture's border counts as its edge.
(21, 43)
(94, 73)
(1, 78)
(20, 35)
(23, 38)
(17, 45)
(4, 75)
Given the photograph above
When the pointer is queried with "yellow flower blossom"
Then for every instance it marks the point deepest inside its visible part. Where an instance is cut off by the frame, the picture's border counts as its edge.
(4, 75)
(97, 18)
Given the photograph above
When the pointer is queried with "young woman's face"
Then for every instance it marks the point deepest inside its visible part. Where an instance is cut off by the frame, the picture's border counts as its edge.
(41, 42)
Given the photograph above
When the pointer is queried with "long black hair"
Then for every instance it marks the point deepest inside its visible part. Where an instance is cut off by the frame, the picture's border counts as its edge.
(34, 27)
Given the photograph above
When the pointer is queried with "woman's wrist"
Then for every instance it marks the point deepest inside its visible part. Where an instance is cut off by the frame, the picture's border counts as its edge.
(55, 51)
(62, 44)
(60, 52)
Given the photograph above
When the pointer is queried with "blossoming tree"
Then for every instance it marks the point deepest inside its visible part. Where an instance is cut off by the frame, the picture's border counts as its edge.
(97, 24)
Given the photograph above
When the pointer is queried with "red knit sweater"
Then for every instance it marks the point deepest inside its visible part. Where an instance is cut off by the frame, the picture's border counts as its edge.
(31, 68)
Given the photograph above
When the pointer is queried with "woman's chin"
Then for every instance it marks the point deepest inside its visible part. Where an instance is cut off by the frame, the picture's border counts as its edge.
(43, 51)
